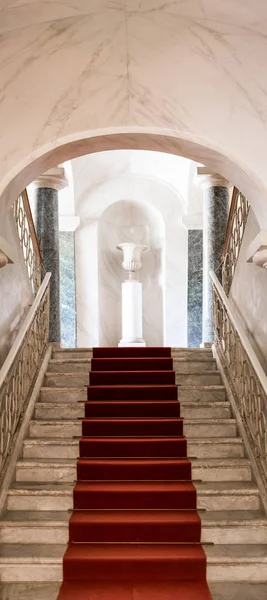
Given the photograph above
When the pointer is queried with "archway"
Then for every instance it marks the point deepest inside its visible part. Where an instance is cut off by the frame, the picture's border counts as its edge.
(188, 146)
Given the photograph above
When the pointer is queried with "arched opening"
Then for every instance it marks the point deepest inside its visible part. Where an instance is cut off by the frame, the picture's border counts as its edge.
(198, 150)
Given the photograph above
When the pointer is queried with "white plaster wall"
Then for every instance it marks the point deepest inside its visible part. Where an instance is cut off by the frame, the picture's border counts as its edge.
(90, 207)
(249, 293)
(15, 294)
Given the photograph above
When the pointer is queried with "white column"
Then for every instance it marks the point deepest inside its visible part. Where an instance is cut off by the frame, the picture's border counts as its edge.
(132, 326)
(132, 314)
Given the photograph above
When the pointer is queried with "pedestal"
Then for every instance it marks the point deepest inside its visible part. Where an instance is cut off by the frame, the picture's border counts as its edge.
(132, 325)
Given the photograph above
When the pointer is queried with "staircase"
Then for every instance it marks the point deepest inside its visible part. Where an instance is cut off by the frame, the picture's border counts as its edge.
(34, 530)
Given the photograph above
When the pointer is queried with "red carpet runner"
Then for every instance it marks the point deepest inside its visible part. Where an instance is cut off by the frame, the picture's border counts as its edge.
(135, 532)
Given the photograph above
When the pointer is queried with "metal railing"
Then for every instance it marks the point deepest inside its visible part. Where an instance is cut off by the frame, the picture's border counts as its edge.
(21, 367)
(244, 372)
(29, 241)
(233, 238)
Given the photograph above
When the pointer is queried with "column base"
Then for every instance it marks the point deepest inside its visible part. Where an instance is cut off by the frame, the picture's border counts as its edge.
(135, 344)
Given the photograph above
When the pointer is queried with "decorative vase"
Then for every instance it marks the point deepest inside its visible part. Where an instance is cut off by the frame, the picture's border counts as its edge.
(131, 257)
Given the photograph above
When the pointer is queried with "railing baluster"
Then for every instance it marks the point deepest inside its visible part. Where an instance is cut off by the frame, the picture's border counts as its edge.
(245, 373)
(233, 239)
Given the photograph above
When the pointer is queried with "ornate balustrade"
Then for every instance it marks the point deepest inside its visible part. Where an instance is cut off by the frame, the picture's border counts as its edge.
(21, 367)
(244, 373)
(233, 239)
(28, 240)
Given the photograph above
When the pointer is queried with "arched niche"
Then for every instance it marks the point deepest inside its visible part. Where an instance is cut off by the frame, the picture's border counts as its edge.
(141, 223)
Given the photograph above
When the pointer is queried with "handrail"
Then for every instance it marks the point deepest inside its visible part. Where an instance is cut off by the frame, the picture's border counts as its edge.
(28, 212)
(235, 229)
(241, 332)
(20, 369)
(229, 220)
(23, 330)
(244, 374)
(28, 240)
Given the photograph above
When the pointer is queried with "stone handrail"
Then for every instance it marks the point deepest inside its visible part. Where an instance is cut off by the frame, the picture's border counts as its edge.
(244, 372)
(19, 371)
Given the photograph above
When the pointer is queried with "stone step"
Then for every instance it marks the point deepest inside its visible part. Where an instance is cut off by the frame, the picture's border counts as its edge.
(199, 448)
(201, 393)
(211, 496)
(52, 527)
(80, 379)
(68, 353)
(64, 470)
(64, 394)
(69, 365)
(31, 562)
(185, 393)
(236, 562)
(66, 380)
(189, 410)
(219, 591)
(180, 365)
(30, 591)
(194, 428)
(43, 563)
(188, 353)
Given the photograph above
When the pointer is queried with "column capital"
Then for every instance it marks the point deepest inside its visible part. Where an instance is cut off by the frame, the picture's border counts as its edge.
(205, 179)
(54, 179)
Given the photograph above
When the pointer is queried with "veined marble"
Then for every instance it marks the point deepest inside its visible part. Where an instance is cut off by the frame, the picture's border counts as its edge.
(151, 214)
(120, 79)
(67, 289)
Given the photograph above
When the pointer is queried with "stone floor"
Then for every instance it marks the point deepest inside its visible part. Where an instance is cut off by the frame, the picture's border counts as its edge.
(49, 591)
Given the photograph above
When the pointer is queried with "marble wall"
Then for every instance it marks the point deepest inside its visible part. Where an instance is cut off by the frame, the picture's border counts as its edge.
(167, 284)
(16, 294)
(249, 292)
(127, 221)
(195, 287)
(67, 289)
(119, 79)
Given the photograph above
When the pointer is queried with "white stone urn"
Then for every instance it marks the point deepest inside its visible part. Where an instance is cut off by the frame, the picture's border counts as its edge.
(132, 257)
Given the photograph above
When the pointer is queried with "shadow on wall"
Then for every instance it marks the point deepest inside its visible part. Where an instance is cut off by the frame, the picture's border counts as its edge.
(140, 223)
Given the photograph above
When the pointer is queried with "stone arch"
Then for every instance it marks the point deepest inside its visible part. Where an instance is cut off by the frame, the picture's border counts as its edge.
(188, 146)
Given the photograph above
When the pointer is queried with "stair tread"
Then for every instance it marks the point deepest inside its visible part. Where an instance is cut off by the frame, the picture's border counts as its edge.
(53, 553)
(134, 516)
(50, 553)
(69, 360)
(187, 403)
(187, 387)
(72, 461)
(187, 420)
(61, 518)
(135, 551)
(216, 487)
(74, 441)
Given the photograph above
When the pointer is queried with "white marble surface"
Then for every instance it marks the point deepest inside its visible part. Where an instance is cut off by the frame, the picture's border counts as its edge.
(49, 591)
(250, 300)
(196, 70)
(150, 210)
(16, 293)
(128, 221)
